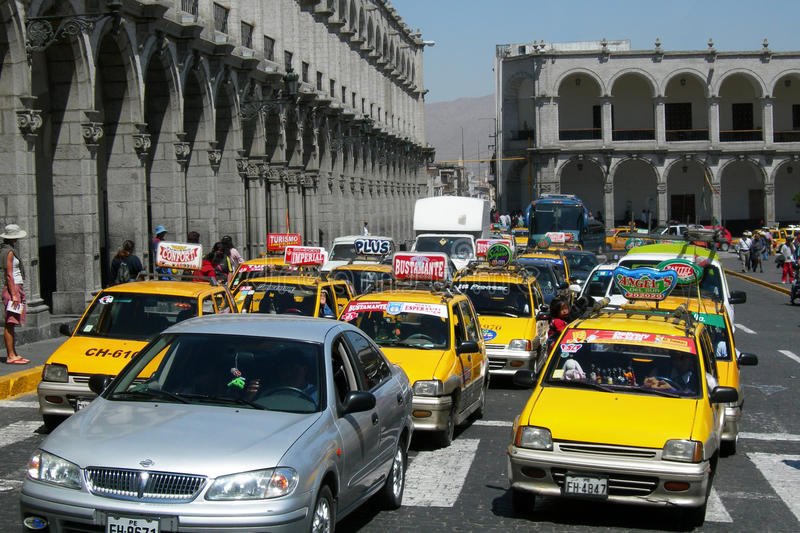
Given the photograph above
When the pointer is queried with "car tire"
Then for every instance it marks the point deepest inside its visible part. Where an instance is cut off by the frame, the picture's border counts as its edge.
(391, 497)
(728, 447)
(694, 517)
(323, 520)
(51, 422)
(445, 437)
(523, 501)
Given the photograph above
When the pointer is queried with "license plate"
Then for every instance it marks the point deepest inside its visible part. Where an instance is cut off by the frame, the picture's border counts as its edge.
(81, 403)
(126, 524)
(590, 486)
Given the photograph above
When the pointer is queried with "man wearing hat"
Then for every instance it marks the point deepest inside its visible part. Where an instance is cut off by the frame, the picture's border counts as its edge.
(13, 293)
(160, 234)
(744, 250)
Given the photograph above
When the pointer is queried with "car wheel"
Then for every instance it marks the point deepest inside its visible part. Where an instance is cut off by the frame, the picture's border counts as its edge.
(392, 494)
(523, 501)
(725, 247)
(694, 516)
(323, 520)
(51, 422)
(445, 437)
(728, 447)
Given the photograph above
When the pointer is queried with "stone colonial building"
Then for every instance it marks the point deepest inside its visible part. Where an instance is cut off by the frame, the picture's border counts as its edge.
(237, 117)
(695, 136)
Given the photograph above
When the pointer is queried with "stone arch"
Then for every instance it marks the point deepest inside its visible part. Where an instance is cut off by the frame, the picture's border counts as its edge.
(633, 116)
(636, 72)
(742, 183)
(370, 32)
(786, 177)
(785, 90)
(227, 133)
(579, 106)
(585, 178)
(692, 73)
(353, 23)
(633, 190)
(689, 194)
(756, 82)
(361, 28)
(556, 88)
(686, 109)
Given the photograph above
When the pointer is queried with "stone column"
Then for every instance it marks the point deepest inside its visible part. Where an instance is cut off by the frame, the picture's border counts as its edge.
(311, 205)
(662, 201)
(769, 203)
(661, 122)
(608, 123)
(608, 202)
(767, 120)
(295, 202)
(277, 201)
(713, 119)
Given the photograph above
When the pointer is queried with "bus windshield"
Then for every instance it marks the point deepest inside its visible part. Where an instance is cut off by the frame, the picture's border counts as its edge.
(550, 217)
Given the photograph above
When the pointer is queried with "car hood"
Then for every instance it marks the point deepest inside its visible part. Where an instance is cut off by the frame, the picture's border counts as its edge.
(202, 439)
(95, 355)
(417, 364)
(621, 419)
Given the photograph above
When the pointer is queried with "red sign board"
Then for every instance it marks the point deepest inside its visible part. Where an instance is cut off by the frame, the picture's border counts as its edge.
(179, 255)
(304, 255)
(279, 241)
(420, 267)
(481, 245)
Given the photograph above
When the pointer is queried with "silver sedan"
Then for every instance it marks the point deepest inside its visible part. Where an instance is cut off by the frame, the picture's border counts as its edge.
(242, 423)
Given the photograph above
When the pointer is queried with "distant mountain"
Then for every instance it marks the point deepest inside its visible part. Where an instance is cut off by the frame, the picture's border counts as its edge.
(443, 123)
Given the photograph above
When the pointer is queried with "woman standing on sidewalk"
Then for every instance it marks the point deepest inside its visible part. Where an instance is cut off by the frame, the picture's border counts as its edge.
(787, 274)
(13, 293)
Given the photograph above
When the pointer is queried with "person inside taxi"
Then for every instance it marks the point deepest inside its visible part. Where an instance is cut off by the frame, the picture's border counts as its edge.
(683, 376)
(432, 328)
(324, 309)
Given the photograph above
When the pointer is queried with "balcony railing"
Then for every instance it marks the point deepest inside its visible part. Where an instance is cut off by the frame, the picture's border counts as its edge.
(191, 7)
(740, 135)
(633, 135)
(586, 134)
(786, 136)
(686, 135)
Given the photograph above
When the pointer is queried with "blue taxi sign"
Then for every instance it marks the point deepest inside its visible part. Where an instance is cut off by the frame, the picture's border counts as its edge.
(645, 283)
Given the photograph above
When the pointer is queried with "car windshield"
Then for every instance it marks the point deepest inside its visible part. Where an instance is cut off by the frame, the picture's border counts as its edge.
(639, 365)
(404, 329)
(342, 252)
(710, 284)
(134, 316)
(550, 217)
(546, 277)
(498, 299)
(455, 247)
(585, 261)
(277, 297)
(598, 284)
(362, 280)
(275, 374)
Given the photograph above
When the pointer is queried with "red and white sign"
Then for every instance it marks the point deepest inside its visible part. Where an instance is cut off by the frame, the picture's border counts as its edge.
(304, 255)
(244, 267)
(672, 342)
(419, 266)
(481, 245)
(179, 255)
(558, 237)
(354, 308)
(279, 241)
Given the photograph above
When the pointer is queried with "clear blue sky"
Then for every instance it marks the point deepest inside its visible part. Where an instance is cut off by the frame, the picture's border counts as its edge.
(466, 31)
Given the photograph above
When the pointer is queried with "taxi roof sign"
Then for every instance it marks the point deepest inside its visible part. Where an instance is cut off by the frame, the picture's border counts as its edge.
(482, 245)
(645, 283)
(279, 241)
(559, 237)
(373, 246)
(419, 266)
(687, 271)
(499, 254)
(179, 255)
(305, 255)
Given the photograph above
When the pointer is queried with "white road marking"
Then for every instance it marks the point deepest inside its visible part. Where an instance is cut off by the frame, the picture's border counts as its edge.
(783, 474)
(790, 355)
(18, 431)
(716, 512)
(770, 436)
(746, 329)
(9, 485)
(435, 478)
(493, 423)
(19, 403)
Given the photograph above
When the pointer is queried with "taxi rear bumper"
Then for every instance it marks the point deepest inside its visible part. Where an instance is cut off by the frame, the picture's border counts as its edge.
(429, 413)
(630, 480)
(505, 362)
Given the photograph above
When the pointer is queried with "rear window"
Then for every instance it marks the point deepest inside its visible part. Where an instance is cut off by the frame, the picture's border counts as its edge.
(498, 299)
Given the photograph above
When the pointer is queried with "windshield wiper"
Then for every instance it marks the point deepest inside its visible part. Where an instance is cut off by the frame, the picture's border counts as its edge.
(579, 384)
(151, 393)
(657, 392)
(225, 399)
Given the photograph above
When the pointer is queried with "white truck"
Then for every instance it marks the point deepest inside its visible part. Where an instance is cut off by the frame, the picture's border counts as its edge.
(450, 224)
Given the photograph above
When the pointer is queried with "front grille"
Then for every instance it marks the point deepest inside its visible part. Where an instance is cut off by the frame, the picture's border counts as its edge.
(142, 485)
(495, 346)
(496, 364)
(599, 449)
(80, 379)
(618, 484)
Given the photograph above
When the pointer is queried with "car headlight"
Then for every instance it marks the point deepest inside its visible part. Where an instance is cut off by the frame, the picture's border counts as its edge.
(686, 451)
(255, 485)
(533, 437)
(49, 468)
(55, 372)
(431, 387)
(520, 344)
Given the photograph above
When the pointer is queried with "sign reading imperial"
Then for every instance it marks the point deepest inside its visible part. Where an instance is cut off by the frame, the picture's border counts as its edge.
(304, 255)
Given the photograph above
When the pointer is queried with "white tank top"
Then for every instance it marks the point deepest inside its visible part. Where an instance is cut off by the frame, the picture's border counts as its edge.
(16, 271)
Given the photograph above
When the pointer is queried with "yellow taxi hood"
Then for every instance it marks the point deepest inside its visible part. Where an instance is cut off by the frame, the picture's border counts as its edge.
(94, 355)
(609, 418)
(420, 364)
(501, 329)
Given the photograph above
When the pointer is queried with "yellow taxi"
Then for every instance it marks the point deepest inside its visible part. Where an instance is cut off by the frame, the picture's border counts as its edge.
(363, 277)
(520, 236)
(118, 323)
(509, 304)
(434, 335)
(628, 409)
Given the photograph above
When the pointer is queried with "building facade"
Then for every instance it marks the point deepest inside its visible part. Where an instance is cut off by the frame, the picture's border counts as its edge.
(237, 117)
(695, 136)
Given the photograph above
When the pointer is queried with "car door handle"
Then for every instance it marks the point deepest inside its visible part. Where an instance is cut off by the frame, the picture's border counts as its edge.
(399, 398)
(374, 419)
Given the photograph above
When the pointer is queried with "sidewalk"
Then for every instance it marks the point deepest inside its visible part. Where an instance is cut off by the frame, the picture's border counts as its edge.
(23, 379)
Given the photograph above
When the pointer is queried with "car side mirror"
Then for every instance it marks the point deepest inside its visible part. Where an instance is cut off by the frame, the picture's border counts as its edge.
(99, 382)
(468, 347)
(738, 297)
(524, 378)
(724, 395)
(64, 330)
(747, 359)
(357, 402)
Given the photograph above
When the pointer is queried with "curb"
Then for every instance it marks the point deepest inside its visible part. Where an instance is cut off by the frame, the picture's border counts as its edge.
(757, 281)
(19, 383)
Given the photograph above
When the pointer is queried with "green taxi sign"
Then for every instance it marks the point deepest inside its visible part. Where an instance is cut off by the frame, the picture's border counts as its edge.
(687, 271)
(498, 255)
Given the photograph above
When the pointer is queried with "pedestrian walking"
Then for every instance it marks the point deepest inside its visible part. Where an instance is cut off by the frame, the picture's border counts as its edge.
(787, 272)
(160, 234)
(365, 229)
(756, 252)
(126, 265)
(744, 250)
(234, 257)
(14, 304)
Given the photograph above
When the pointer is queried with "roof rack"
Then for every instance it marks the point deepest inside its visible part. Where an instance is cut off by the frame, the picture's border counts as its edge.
(705, 235)
(679, 316)
(474, 266)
